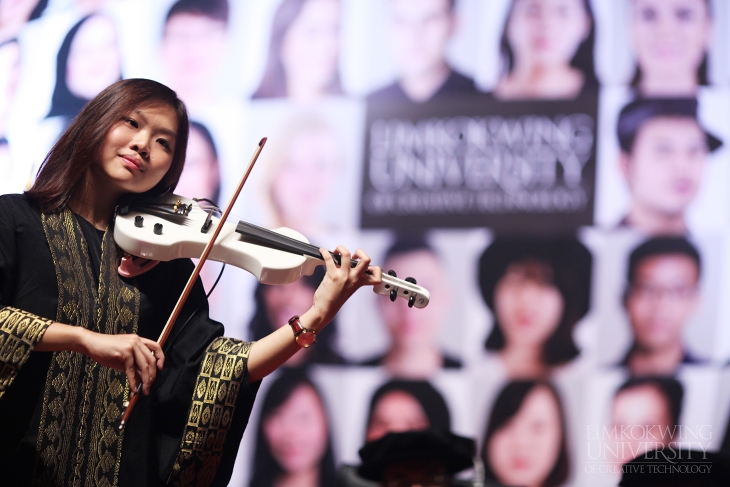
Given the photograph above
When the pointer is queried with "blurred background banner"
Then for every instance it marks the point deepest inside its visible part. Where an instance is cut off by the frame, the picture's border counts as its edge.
(555, 172)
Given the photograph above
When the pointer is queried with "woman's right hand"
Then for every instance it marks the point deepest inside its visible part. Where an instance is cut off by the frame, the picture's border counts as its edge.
(137, 357)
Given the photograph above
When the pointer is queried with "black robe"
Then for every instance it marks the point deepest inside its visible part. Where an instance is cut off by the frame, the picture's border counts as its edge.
(59, 411)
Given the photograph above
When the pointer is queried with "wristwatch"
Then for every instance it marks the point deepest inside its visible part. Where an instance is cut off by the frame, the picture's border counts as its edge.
(302, 336)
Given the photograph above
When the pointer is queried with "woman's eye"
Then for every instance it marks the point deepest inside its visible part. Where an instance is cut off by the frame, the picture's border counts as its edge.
(164, 143)
(132, 122)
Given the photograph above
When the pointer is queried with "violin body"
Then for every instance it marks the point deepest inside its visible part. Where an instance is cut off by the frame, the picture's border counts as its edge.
(172, 227)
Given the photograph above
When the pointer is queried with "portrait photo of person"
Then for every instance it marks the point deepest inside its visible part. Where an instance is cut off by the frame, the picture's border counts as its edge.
(193, 46)
(671, 41)
(537, 290)
(275, 304)
(546, 50)
(406, 405)
(14, 14)
(414, 350)
(644, 401)
(664, 151)
(293, 439)
(306, 160)
(201, 176)
(304, 50)
(661, 296)
(9, 76)
(419, 33)
(525, 442)
(88, 61)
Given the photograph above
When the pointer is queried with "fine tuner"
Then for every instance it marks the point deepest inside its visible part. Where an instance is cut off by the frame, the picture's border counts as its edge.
(170, 227)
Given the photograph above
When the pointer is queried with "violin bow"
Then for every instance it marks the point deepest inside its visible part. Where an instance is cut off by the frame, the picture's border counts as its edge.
(129, 405)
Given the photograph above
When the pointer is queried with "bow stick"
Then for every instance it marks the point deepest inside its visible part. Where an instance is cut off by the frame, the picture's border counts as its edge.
(196, 272)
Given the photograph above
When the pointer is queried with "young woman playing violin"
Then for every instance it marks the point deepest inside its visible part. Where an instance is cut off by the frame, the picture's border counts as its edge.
(76, 338)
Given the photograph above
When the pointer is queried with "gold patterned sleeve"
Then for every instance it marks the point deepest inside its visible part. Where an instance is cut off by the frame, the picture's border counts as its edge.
(220, 394)
(20, 331)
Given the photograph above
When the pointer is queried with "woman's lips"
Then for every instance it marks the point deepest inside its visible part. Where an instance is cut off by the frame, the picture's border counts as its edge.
(131, 162)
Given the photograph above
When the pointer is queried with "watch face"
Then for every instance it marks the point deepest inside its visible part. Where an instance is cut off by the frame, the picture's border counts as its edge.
(306, 338)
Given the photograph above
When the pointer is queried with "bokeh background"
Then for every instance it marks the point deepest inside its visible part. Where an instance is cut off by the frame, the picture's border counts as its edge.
(555, 172)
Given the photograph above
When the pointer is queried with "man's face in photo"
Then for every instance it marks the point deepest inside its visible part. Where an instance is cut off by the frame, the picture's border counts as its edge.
(665, 166)
(420, 31)
(662, 298)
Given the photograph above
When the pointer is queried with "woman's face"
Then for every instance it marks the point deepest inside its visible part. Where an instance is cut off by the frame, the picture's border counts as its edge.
(547, 32)
(527, 306)
(641, 416)
(310, 48)
(9, 76)
(296, 431)
(397, 411)
(93, 60)
(200, 177)
(670, 36)
(284, 301)
(306, 175)
(524, 451)
(16, 12)
(409, 330)
(137, 151)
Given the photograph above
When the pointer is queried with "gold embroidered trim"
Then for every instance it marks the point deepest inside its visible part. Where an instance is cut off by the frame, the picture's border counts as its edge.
(214, 401)
(19, 333)
(78, 443)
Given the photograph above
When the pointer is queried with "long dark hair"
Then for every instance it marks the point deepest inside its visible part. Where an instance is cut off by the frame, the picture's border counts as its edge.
(702, 69)
(568, 264)
(506, 406)
(266, 468)
(64, 103)
(64, 169)
(324, 351)
(273, 83)
(582, 60)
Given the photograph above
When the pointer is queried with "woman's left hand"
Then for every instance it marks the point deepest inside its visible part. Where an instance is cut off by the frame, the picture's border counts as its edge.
(342, 281)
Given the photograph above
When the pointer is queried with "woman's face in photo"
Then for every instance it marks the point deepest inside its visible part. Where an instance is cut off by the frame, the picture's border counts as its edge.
(311, 45)
(524, 451)
(547, 32)
(641, 415)
(9, 76)
(670, 36)
(200, 177)
(193, 47)
(397, 411)
(306, 176)
(665, 168)
(406, 328)
(93, 60)
(528, 306)
(285, 300)
(296, 431)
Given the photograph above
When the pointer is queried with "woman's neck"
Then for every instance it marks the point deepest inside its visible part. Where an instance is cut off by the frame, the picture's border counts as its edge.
(94, 204)
(414, 363)
(523, 361)
(676, 85)
(305, 478)
(532, 80)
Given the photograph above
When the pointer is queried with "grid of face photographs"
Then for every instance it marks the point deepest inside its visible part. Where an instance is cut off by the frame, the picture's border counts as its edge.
(555, 172)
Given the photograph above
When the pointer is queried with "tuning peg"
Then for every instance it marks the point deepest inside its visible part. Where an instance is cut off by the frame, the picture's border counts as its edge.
(393, 294)
(411, 280)
(392, 273)
(411, 300)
